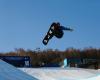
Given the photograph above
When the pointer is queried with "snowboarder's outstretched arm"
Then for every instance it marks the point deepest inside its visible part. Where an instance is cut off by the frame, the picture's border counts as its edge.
(65, 28)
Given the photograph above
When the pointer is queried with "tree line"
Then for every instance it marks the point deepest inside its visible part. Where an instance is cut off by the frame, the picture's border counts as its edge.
(41, 57)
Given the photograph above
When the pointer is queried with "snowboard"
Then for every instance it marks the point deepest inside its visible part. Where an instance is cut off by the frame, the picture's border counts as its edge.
(49, 35)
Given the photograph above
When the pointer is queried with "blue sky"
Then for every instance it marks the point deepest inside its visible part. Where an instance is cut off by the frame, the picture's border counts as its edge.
(24, 23)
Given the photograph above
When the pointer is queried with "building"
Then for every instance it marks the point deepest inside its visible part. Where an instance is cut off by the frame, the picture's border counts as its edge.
(83, 63)
(17, 61)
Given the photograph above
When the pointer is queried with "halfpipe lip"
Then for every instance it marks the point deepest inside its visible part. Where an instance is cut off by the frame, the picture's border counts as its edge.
(9, 72)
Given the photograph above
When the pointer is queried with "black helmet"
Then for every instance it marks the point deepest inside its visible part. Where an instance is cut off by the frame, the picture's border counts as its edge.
(58, 23)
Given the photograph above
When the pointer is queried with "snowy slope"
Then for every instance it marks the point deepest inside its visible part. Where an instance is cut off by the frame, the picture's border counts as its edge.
(8, 72)
(63, 74)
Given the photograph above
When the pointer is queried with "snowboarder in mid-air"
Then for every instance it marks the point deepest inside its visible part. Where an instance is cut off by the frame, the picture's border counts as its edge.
(55, 30)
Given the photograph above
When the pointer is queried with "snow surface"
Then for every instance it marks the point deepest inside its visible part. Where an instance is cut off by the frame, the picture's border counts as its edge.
(63, 73)
(8, 72)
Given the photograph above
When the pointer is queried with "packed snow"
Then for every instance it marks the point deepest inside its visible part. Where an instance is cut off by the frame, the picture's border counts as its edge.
(63, 73)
